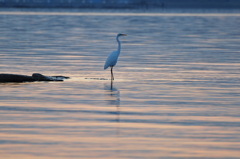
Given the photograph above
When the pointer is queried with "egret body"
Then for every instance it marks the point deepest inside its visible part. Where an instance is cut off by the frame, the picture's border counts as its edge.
(113, 57)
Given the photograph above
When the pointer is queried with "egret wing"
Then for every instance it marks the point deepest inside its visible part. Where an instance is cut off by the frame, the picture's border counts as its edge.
(111, 60)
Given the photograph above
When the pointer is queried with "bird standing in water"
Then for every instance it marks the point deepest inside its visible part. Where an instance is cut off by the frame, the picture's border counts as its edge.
(113, 57)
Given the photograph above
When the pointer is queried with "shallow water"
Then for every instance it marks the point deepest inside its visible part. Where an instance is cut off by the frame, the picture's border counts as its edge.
(175, 93)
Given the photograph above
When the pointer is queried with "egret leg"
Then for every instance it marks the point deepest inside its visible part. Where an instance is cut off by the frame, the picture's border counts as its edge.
(112, 78)
(111, 84)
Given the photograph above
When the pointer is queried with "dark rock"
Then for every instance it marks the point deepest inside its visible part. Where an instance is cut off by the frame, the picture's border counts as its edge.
(34, 77)
(40, 77)
(15, 78)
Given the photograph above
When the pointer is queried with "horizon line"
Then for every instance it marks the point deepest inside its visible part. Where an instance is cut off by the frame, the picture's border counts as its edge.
(114, 14)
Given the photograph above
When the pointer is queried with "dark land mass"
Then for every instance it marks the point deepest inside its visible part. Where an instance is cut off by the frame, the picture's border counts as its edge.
(24, 78)
(120, 3)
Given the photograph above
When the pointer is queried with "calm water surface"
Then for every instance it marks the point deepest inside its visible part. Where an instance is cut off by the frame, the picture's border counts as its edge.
(175, 95)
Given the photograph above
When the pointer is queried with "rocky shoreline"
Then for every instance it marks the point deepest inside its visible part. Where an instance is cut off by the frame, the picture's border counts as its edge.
(24, 78)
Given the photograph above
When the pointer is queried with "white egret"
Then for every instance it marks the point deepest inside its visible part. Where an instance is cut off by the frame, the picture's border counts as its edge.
(113, 57)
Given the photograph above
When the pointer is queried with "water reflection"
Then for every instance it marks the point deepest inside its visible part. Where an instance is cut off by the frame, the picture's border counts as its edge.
(179, 86)
(113, 97)
(113, 93)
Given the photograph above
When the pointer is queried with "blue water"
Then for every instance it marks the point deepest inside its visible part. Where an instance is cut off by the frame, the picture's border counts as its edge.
(175, 94)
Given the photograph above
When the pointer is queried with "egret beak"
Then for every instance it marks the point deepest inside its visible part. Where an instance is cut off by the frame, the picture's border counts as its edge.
(123, 34)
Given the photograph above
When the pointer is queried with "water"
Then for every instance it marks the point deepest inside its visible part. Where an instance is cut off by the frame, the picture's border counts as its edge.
(175, 94)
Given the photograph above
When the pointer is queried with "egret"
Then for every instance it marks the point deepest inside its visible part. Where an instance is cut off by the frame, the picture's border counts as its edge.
(113, 57)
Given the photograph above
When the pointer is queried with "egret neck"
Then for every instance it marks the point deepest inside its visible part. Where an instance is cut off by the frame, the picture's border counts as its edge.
(119, 45)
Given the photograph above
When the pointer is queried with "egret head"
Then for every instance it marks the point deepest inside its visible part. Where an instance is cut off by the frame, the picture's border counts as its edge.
(121, 35)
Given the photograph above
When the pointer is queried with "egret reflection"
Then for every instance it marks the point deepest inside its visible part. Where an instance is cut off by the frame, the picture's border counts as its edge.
(113, 97)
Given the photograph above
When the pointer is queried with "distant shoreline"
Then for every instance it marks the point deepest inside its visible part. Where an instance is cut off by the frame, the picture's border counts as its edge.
(120, 4)
(175, 7)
